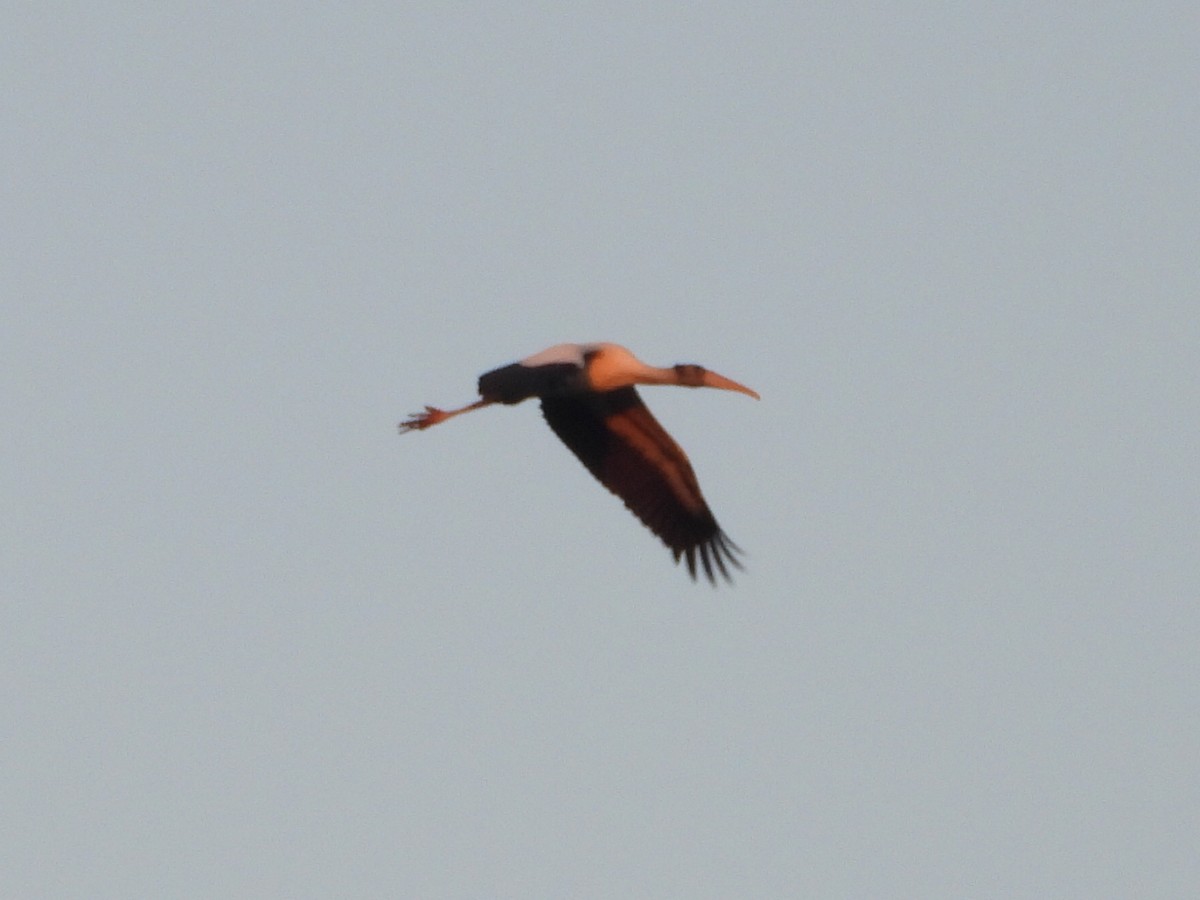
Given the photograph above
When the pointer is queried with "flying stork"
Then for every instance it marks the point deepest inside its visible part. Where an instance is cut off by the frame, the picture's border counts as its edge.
(588, 399)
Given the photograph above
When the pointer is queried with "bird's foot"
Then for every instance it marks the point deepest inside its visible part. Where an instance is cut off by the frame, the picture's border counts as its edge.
(421, 421)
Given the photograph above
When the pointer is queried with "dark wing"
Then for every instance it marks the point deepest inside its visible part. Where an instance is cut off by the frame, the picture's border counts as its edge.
(624, 446)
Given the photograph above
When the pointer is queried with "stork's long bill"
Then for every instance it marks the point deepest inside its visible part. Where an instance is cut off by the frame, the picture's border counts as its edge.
(588, 398)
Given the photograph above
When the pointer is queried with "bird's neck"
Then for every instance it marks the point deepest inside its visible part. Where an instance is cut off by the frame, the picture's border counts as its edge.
(604, 377)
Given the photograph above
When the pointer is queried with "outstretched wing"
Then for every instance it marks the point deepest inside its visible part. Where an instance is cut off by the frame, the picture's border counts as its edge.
(631, 454)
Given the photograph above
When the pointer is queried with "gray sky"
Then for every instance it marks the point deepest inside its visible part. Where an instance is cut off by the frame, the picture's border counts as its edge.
(254, 643)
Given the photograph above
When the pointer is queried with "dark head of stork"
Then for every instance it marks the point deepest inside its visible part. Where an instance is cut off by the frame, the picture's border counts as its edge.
(588, 399)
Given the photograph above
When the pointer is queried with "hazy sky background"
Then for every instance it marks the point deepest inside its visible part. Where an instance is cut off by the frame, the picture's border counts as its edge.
(254, 643)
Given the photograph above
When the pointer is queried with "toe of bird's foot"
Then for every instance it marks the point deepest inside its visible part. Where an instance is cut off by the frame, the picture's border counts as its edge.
(421, 421)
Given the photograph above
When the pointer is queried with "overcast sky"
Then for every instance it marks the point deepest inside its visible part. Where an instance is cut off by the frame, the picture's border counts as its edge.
(256, 643)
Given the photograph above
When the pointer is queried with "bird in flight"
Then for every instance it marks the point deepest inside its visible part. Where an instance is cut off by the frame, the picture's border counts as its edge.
(588, 399)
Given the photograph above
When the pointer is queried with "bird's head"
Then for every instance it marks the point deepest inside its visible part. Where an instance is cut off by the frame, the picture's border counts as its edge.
(690, 375)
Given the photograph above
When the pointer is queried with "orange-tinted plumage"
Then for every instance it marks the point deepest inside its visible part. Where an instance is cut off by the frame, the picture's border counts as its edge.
(588, 399)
